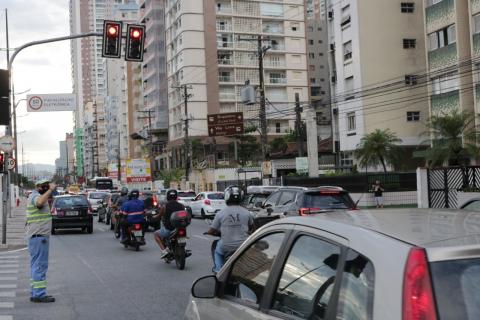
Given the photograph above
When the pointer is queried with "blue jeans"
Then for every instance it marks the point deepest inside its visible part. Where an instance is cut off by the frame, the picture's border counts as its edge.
(38, 249)
(218, 257)
(164, 233)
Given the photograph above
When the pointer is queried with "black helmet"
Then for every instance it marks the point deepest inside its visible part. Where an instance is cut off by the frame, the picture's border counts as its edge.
(172, 195)
(124, 191)
(233, 195)
(134, 194)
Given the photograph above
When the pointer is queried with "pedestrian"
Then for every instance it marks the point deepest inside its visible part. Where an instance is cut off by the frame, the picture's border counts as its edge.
(39, 226)
(18, 201)
(378, 194)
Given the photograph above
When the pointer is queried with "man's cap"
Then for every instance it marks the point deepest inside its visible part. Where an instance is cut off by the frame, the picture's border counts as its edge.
(42, 181)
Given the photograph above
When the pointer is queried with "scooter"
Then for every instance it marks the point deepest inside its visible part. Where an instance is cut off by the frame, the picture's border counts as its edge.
(177, 240)
(135, 236)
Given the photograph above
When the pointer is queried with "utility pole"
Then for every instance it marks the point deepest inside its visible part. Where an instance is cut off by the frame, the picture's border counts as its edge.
(186, 96)
(150, 140)
(66, 154)
(95, 127)
(312, 142)
(298, 125)
(119, 161)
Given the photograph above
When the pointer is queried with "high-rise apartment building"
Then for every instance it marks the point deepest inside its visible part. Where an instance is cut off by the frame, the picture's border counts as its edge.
(377, 59)
(212, 49)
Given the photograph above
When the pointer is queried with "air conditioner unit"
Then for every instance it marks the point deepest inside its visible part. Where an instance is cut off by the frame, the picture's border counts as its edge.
(332, 46)
(335, 111)
(330, 14)
(334, 79)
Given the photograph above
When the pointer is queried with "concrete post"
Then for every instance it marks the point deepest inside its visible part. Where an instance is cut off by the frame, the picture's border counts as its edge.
(422, 188)
(312, 142)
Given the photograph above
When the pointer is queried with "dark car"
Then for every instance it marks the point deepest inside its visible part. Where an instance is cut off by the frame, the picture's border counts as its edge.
(71, 211)
(300, 201)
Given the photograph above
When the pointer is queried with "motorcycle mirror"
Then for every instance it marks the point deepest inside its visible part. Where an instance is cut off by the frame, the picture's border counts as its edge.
(205, 287)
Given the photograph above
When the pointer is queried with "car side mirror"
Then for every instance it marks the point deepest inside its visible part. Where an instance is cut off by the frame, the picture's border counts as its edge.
(269, 210)
(258, 204)
(205, 287)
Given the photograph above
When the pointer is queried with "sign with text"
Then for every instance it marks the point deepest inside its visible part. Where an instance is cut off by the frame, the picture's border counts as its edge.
(51, 102)
(301, 164)
(225, 124)
(138, 170)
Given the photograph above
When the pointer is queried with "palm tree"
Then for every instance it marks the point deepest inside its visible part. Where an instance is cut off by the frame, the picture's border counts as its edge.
(378, 147)
(452, 138)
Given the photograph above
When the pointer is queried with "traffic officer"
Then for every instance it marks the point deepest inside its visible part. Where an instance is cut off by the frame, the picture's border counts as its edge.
(38, 229)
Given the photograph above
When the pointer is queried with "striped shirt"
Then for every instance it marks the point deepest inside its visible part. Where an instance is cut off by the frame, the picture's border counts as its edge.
(39, 220)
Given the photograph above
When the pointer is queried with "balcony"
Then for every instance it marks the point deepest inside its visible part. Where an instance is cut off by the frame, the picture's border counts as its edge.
(225, 62)
(225, 78)
(475, 5)
(277, 81)
(224, 44)
(440, 15)
(444, 103)
(443, 56)
(224, 27)
(227, 96)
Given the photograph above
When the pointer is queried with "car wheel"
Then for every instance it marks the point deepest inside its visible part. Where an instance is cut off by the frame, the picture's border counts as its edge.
(203, 215)
(90, 229)
(112, 226)
(53, 231)
(137, 247)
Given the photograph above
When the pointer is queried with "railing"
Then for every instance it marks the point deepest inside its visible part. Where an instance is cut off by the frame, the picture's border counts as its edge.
(224, 27)
(227, 95)
(278, 80)
(224, 44)
(273, 30)
(225, 61)
(225, 79)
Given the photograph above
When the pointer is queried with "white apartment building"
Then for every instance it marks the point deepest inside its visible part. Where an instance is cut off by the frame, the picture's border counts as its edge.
(211, 48)
(377, 66)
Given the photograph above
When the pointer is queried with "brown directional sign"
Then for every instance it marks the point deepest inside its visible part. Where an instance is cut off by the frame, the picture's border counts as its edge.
(225, 124)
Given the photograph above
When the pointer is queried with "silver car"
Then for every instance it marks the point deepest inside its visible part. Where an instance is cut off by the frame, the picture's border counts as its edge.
(373, 264)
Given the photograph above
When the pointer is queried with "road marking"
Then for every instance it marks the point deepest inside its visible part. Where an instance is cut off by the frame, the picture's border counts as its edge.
(6, 317)
(8, 294)
(7, 304)
(201, 237)
(8, 271)
(8, 286)
(9, 265)
(101, 229)
(11, 251)
(8, 278)
(8, 257)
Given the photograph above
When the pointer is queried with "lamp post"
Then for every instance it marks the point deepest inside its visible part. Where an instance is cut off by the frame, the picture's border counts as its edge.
(15, 150)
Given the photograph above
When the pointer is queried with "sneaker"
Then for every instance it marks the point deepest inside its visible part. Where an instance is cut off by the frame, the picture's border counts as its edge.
(44, 299)
(164, 253)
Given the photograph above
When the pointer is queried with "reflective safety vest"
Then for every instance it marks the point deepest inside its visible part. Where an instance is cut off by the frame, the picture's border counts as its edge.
(39, 221)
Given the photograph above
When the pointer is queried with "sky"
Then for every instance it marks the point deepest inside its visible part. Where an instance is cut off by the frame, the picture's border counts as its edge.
(43, 69)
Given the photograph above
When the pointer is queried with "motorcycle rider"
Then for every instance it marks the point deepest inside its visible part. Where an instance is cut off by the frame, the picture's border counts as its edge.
(134, 212)
(165, 213)
(122, 198)
(233, 223)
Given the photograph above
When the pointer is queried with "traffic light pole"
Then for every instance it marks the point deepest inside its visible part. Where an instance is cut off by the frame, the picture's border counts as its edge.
(7, 206)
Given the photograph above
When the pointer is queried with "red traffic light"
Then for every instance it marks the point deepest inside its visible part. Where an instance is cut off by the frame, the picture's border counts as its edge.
(136, 33)
(135, 42)
(112, 30)
(112, 39)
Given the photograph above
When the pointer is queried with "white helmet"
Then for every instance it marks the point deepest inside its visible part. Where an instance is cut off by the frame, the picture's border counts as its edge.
(233, 195)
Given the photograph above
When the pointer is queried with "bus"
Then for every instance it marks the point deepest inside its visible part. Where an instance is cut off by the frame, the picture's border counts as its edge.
(101, 183)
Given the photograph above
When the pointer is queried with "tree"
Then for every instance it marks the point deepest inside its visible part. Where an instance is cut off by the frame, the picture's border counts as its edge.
(169, 176)
(452, 138)
(247, 148)
(378, 147)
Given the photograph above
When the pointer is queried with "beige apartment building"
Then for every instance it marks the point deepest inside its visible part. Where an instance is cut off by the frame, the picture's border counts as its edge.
(377, 67)
(211, 49)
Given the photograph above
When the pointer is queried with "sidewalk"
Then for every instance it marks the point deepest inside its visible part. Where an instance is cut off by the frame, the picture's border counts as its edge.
(16, 228)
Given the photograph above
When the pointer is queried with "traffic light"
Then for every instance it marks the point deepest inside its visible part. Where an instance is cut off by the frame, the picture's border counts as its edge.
(112, 39)
(4, 98)
(2, 163)
(135, 42)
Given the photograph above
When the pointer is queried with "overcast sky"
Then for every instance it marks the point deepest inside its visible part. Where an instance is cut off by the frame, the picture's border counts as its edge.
(43, 69)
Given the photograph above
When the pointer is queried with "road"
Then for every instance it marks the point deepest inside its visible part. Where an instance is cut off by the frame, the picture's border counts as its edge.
(93, 277)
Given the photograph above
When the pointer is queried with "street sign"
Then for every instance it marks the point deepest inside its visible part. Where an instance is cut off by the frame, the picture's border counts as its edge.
(267, 168)
(11, 163)
(301, 164)
(6, 143)
(225, 124)
(51, 102)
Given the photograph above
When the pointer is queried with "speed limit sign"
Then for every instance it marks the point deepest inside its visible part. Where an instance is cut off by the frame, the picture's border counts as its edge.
(11, 163)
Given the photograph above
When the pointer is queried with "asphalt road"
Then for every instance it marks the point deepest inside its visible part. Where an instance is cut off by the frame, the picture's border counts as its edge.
(93, 276)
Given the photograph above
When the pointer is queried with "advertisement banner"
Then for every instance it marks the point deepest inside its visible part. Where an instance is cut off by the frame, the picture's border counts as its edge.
(138, 170)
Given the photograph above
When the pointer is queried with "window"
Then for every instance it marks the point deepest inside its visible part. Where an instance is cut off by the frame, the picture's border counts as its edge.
(445, 83)
(351, 123)
(251, 270)
(346, 19)
(272, 200)
(432, 2)
(312, 80)
(287, 197)
(349, 88)
(409, 43)
(442, 38)
(307, 279)
(356, 292)
(310, 42)
(347, 50)
(413, 115)
(311, 55)
(311, 67)
(310, 29)
(476, 24)
(271, 9)
(411, 80)
(277, 127)
(407, 7)
(294, 26)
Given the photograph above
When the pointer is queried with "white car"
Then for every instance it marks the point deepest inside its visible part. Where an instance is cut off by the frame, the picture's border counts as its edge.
(95, 198)
(207, 204)
(185, 197)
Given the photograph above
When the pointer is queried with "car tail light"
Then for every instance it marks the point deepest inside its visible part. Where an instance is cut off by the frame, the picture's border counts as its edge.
(137, 226)
(54, 211)
(307, 211)
(418, 301)
(207, 202)
(182, 232)
(155, 201)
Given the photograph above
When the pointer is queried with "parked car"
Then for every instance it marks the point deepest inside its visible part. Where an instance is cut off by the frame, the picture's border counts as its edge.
(256, 195)
(185, 197)
(95, 198)
(378, 264)
(472, 204)
(206, 204)
(71, 211)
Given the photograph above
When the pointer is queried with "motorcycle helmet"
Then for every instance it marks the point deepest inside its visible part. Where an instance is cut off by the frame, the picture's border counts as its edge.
(124, 191)
(172, 195)
(134, 194)
(233, 195)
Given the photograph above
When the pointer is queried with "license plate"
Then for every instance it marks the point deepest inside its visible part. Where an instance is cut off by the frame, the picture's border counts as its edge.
(71, 213)
(182, 240)
(137, 233)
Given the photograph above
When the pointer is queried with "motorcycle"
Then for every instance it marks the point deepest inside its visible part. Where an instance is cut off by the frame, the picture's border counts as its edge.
(135, 236)
(152, 219)
(177, 240)
(115, 224)
(213, 247)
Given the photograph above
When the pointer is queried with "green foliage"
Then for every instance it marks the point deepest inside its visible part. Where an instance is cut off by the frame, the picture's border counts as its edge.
(378, 147)
(169, 176)
(248, 149)
(452, 138)
(279, 145)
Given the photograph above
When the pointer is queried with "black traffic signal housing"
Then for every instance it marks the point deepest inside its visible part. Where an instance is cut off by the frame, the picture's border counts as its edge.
(112, 39)
(4, 98)
(135, 42)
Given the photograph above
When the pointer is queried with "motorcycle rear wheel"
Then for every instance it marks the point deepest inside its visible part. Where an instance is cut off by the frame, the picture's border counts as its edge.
(180, 257)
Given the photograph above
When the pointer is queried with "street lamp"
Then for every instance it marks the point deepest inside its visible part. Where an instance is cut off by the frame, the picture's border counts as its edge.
(14, 114)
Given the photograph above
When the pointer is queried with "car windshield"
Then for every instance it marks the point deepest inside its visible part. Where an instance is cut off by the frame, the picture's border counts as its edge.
(67, 202)
(215, 196)
(327, 201)
(97, 195)
(456, 285)
(187, 194)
